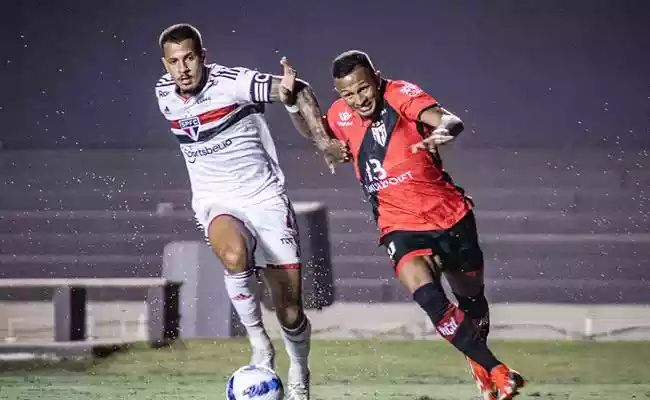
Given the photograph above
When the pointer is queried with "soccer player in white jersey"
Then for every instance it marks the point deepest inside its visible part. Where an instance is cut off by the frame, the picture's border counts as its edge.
(238, 188)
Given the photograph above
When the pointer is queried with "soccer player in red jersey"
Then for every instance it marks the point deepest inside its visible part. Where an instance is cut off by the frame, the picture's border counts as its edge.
(392, 130)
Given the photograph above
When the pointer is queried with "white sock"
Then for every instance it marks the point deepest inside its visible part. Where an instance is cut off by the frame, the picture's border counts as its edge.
(245, 300)
(297, 343)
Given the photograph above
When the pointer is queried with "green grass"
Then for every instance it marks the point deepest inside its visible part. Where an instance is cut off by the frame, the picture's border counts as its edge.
(356, 369)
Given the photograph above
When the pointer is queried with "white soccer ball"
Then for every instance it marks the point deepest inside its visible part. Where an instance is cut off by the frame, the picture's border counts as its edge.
(254, 382)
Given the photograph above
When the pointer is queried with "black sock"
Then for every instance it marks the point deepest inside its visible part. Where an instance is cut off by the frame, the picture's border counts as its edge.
(452, 324)
(476, 307)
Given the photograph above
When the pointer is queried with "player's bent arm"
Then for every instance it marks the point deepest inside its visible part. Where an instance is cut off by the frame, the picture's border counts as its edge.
(308, 118)
(439, 118)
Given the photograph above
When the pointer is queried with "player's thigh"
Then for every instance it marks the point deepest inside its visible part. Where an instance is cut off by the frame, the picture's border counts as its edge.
(277, 235)
(278, 253)
(461, 257)
(412, 257)
(229, 237)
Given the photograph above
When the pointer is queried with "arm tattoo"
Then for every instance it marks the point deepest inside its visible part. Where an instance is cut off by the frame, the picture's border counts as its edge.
(309, 121)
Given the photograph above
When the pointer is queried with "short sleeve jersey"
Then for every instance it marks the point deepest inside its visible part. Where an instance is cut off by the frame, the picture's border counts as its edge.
(407, 191)
(223, 135)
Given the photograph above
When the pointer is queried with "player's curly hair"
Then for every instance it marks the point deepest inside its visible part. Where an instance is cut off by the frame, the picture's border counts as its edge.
(179, 32)
(348, 61)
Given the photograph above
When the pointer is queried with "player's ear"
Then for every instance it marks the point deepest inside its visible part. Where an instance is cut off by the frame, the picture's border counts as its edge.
(378, 76)
(164, 62)
(335, 88)
(203, 54)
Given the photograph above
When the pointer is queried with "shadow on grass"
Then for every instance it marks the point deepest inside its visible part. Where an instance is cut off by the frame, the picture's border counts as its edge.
(53, 364)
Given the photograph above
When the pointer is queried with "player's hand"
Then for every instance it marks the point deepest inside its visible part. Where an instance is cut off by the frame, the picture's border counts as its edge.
(337, 152)
(439, 137)
(288, 82)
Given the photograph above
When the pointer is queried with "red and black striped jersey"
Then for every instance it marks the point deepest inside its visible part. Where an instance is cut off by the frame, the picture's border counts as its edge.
(407, 191)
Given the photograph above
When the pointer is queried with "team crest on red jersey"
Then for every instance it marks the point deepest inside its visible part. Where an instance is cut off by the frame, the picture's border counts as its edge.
(191, 127)
(379, 132)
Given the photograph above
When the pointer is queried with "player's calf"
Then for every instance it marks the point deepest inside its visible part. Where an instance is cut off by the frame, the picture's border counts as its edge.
(452, 324)
(467, 284)
(286, 292)
(417, 273)
(466, 281)
(232, 243)
(476, 308)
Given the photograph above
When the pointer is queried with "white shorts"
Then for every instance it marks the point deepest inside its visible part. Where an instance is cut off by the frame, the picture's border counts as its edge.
(272, 225)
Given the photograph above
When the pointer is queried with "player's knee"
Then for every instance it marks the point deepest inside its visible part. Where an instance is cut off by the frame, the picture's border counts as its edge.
(234, 257)
(475, 306)
(288, 305)
(289, 308)
(231, 242)
(433, 300)
(290, 316)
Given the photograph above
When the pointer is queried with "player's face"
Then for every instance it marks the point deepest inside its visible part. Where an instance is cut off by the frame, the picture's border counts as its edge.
(184, 63)
(360, 91)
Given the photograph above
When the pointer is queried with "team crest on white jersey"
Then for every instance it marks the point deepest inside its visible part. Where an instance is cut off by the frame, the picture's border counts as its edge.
(379, 132)
(191, 127)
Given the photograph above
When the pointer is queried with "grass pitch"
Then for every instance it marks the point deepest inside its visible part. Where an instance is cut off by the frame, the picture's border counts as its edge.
(344, 369)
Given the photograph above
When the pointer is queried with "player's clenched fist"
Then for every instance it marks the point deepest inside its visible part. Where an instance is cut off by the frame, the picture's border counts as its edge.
(288, 82)
(337, 152)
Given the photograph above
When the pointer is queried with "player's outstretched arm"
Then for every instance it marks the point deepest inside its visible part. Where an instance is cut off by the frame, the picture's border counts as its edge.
(304, 111)
(306, 115)
(447, 127)
(439, 118)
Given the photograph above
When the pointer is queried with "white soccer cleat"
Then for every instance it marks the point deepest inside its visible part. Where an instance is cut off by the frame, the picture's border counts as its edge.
(298, 390)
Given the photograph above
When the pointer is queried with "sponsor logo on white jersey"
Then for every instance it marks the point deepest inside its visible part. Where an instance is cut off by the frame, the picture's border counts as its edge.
(191, 154)
(224, 138)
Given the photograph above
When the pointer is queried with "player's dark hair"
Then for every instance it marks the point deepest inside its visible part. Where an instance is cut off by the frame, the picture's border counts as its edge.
(179, 32)
(348, 61)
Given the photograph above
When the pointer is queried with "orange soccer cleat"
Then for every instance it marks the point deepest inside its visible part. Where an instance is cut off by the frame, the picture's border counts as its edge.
(483, 381)
(506, 381)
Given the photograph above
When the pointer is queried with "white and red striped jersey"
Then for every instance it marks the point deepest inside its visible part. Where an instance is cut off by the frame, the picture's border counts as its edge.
(224, 137)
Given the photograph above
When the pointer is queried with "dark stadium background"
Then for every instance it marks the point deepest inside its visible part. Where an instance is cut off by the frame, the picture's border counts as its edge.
(555, 95)
(551, 73)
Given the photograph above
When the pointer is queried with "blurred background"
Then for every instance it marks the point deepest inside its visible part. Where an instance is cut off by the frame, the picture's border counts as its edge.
(555, 96)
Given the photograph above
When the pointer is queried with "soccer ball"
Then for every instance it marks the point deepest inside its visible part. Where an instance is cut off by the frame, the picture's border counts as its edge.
(254, 382)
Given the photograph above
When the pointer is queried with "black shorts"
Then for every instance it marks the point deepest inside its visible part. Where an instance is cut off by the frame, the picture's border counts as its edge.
(457, 247)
